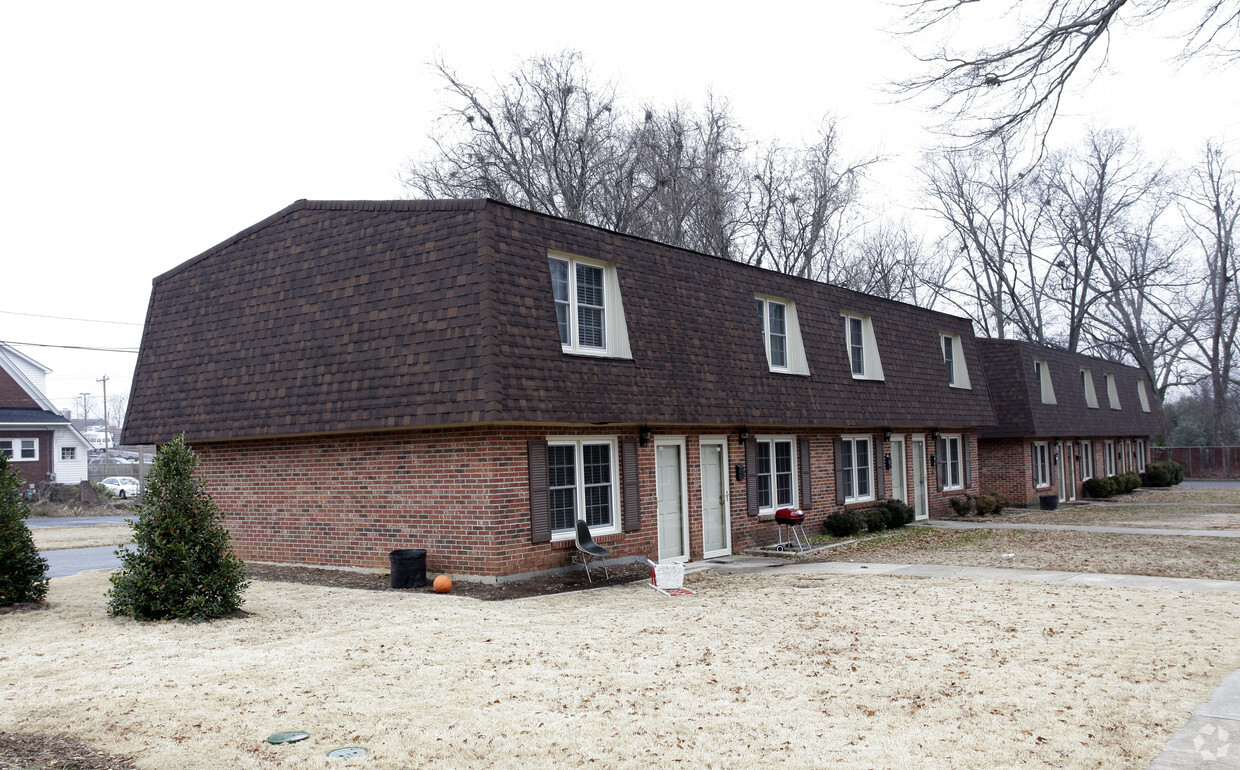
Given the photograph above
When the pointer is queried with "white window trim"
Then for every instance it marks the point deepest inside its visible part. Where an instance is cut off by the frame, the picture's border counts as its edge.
(1112, 392)
(1044, 465)
(1087, 460)
(1091, 394)
(579, 442)
(960, 369)
(1142, 396)
(16, 445)
(1046, 387)
(853, 471)
(948, 438)
(1141, 455)
(798, 363)
(904, 463)
(775, 505)
(871, 362)
(615, 330)
(1108, 458)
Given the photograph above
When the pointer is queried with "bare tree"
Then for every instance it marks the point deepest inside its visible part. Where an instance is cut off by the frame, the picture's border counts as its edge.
(994, 216)
(890, 260)
(996, 88)
(117, 404)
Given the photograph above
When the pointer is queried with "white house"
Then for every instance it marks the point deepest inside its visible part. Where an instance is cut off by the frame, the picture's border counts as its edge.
(39, 441)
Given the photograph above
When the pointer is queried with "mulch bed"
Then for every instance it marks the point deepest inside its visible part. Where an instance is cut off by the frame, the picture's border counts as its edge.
(55, 752)
(515, 589)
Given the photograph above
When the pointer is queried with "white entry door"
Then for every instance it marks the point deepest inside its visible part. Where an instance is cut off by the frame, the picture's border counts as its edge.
(670, 485)
(1060, 468)
(716, 517)
(921, 507)
(899, 481)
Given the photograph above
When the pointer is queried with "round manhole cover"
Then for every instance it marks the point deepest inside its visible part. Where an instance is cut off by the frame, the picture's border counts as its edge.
(345, 753)
(290, 737)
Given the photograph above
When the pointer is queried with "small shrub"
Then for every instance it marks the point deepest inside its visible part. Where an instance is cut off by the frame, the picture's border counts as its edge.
(963, 506)
(1099, 486)
(844, 523)
(1178, 475)
(23, 572)
(1158, 474)
(898, 513)
(1125, 482)
(181, 565)
(104, 492)
(1133, 480)
(990, 503)
(875, 518)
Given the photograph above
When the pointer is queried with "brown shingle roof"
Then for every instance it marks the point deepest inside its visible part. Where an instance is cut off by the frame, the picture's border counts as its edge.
(1017, 394)
(347, 316)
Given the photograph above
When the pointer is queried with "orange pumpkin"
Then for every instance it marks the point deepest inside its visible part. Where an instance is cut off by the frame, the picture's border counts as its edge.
(442, 584)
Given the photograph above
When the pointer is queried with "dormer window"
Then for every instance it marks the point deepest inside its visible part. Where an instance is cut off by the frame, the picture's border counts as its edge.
(588, 310)
(1112, 393)
(953, 359)
(1142, 397)
(862, 348)
(1043, 375)
(1087, 382)
(781, 335)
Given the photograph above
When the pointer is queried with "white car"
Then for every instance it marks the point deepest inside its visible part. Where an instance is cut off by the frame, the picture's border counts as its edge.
(123, 487)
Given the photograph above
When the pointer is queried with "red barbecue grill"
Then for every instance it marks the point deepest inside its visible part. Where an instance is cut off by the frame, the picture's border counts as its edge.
(794, 520)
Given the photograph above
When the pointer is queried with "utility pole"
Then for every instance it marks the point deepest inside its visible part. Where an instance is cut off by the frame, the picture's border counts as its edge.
(85, 427)
(107, 433)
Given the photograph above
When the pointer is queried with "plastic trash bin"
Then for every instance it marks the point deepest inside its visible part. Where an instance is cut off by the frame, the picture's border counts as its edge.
(1049, 502)
(408, 567)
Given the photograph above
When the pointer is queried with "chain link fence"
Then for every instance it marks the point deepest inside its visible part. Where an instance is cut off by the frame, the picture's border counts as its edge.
(1202, 462)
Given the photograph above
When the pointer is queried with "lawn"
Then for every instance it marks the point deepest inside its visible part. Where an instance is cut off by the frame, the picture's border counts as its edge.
(1161, 515)
(753, 670)
(49, 538)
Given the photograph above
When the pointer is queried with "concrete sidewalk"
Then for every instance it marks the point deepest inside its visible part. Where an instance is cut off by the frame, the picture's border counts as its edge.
(1083, 528)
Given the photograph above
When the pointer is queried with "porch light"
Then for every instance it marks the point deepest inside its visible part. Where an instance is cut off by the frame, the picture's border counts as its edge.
(742, 435)
(643, 435)
(887, 435)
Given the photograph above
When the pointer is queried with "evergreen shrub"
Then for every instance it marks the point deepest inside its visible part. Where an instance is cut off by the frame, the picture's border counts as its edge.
(23, 572)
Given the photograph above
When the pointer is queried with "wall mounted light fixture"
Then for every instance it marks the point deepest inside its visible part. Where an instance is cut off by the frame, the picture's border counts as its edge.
(643, 435)
(886, 434)
(742, 435)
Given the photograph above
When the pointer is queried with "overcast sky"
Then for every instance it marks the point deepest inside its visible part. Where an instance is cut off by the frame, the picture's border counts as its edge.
(139, 135)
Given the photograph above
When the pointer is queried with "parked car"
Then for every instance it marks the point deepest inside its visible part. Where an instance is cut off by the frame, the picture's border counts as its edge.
(123, 487)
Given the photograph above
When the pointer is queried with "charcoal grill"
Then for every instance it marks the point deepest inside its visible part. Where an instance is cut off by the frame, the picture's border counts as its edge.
(794, 520)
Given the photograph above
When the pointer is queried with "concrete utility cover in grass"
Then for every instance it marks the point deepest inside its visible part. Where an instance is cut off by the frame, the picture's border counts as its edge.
(345, 753)
(289, 737)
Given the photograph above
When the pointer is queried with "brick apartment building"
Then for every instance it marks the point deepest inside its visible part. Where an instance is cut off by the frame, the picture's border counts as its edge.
(471, 378)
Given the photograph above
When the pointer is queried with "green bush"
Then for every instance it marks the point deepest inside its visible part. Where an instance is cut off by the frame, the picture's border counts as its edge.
(1099, 486)
(180, 565)
(875, 518)
(1126, 482)
(990, 503)
(23, 572)
(898, 513)
(844, 523)
(1178, 475)
(1158, 474)
(963, 506)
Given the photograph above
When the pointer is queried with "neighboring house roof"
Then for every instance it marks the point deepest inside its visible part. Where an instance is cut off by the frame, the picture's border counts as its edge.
(1017, 394)
(334, 316)
(22, 401)
(32, 416)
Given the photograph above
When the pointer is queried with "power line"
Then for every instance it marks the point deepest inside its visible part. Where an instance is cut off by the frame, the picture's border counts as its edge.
(71, 347)
(66, 318)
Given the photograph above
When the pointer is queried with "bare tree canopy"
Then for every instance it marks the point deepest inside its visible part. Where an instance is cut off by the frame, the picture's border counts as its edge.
(999, 87)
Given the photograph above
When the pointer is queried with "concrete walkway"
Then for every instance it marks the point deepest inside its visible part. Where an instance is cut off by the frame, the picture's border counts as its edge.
(1084, 528)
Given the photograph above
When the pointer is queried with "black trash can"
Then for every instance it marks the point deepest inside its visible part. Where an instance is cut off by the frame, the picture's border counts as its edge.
(408, 567)
(1047, 502)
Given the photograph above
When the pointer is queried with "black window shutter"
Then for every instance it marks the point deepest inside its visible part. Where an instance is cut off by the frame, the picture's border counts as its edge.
(1033, 455)
(807, 488)
(540, 496)
(964, 458)
(751, 476)
(631, 495)
(942, 458)
(880, 476)
(839, 470)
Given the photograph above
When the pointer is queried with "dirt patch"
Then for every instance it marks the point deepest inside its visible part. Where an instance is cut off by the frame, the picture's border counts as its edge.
(515, 589)
(1184, 557)
(1184, 495)
(55, 752)
(1158, 515)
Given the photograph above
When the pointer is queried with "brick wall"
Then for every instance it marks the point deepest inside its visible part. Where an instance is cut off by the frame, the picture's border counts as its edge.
(462, 494)
(13, 396)
(1007, 466)
(32, 471)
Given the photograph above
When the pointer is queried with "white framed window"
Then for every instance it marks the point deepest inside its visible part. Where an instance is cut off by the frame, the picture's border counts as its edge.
(1128, 461)
(68, 453)
(1042, 374)
(953, 358)
(588, 310)
(1091, 395)
(1112, 393)
(1141, 455)
(861, 347)
(1087, 460)
(1108, 458)
(781, 335)
(582, 482)
(953, 472)
(857, 470)
(1142, 397)
(777, 469)
(20, 449)
(1041, 465)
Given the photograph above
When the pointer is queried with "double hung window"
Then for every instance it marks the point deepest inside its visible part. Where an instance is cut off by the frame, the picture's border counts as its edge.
(581, 481)
(1041, 465)
(1141, 455)
(1108, 457)
(1087, 460)
(773, 316)
(1142, 397)
(857, 475)
(580, 304)
(953, 359)
(861, 347)
(20, 449)
(1112, 392)
(776, 474)
(1043, 375)
(953, 475)
(1091, 395)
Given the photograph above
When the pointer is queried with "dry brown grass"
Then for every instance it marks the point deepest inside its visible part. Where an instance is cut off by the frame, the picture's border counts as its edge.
(1188, 557)
(50, 538)
(752, 671)
(1184, 495)
(1160, 515)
